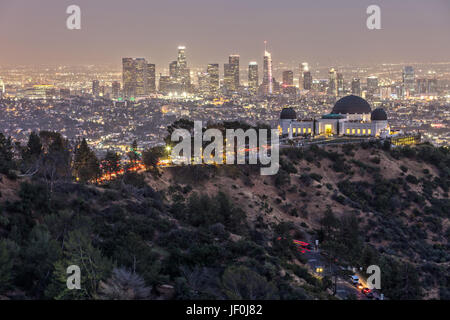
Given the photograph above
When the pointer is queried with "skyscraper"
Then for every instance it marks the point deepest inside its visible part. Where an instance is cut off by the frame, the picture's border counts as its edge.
(307, 80)
(372, 86)
(234, 62)
(288, 82)
(228, 77)
(213, 77)
(408, 80)
(253, 77)
(128, 77)
(332, 82)
(151, 78)
(356, 87)
(267, 72)
(304, 67)
(138, 77)
(231, 73)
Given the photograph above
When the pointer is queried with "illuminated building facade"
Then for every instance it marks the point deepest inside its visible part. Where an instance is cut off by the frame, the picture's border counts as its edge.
(351, 116)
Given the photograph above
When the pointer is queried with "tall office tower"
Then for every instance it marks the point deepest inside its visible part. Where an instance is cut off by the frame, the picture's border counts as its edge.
(213, 77)
(432, 86)
(151, 78)
(233, 61)
(332, 82)
(307, 80)
(165, 83)
(408, 80)
(138, 77)
(141, 77)
(253, 77)
(184, 73)
(181, 57)
(304, 67)
(128, 77)
(356, 87)
(288, 82)
(115, 89)
(173, 70)
(228, 77)
(95, 88)
(267, 72)
(372, 86)
(340, 84)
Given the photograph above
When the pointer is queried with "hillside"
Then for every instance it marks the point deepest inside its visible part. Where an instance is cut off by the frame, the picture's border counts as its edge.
(225, 232)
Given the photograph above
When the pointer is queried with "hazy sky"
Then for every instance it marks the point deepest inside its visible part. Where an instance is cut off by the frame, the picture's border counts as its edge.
(327, 31)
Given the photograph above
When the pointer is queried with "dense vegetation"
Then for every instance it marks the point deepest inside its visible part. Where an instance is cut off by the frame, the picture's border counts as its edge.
(133, 242)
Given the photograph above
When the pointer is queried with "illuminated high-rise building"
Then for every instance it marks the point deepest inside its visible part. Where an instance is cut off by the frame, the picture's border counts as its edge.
(332, 82)
(151, 78)
(173, 70)
(165, 84)
(408, 80)
(234, 63)
(182, 57)
(95, 88)
(213, 77)
(183, 73)
(372, 86)
(228, 77)
(141, 77)
(307, 80)
(231, 73)
(356, 87)
(267, 72)
(129, 77)
(288, 82)
(138, 77)
(253, 77)
(304, 67)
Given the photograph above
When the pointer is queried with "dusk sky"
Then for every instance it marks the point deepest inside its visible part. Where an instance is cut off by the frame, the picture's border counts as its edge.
(326, 31)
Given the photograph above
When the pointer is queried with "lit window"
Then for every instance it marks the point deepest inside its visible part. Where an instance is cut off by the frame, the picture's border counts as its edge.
(369, 131)
(364, 131)
(359, 131)
(353, 131)
(304, 130)
(295, 130)
(348, 131)
(309, 130)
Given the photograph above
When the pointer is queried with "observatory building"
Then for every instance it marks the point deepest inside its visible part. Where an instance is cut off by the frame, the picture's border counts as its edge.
(351, 116)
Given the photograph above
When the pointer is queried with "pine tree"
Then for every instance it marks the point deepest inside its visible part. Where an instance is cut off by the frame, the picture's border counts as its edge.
(86, 165)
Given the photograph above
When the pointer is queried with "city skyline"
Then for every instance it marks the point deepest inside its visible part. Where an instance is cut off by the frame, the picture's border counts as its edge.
(315, 32)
